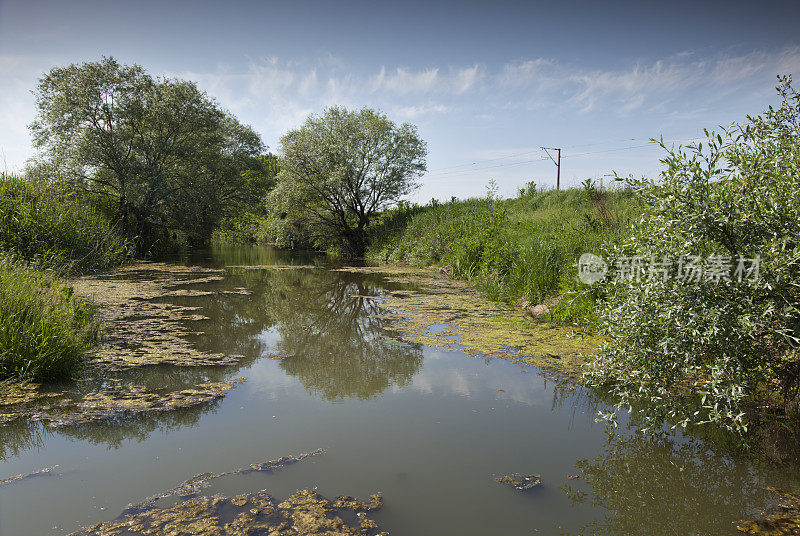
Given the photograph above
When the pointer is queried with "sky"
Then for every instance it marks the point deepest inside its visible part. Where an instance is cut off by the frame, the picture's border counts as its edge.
(487, 84)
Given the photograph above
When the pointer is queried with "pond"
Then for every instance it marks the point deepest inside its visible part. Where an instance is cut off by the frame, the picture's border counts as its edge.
(430, 429)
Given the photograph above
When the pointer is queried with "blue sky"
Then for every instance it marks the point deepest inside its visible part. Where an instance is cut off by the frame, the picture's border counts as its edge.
(487, 84)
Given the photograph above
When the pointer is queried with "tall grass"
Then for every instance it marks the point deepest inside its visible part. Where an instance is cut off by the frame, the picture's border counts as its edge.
(44, 329)
(51, 226)
(521, 250)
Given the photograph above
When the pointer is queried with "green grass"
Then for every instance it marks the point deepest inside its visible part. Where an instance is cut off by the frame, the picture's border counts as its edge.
(47, 230)
(45, 330)
(523, 250)
(51, 226)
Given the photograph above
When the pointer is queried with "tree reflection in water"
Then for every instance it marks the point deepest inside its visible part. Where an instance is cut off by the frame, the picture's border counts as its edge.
(656, 485)
(327, 329)
(324, 325)
(332, 338)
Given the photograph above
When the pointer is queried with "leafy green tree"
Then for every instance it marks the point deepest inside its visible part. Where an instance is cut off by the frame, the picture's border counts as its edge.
(165, 152)
(715, 349)
(340, 169)
(249, 221)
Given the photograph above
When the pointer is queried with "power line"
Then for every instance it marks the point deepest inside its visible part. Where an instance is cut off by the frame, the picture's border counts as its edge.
(556, 162)
(484, 161)
(451, 170)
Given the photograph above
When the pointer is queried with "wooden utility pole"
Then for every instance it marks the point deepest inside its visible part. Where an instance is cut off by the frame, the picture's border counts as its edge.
(556, 162)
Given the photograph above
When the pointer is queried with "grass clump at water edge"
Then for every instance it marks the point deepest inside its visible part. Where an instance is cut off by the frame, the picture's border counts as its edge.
(45, 330)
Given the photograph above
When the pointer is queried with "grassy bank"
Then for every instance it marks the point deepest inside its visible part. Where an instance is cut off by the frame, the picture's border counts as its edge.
(45, 330)
(55, 227)
(47, 231)
(522, 250)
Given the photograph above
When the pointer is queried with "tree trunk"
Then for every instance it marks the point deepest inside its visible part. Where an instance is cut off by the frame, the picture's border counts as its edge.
(355, 243)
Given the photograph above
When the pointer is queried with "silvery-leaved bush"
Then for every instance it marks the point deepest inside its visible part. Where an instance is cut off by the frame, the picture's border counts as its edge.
(710, 350)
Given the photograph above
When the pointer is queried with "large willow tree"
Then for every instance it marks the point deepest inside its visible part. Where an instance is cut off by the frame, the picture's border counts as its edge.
(341, 168)
(165, 153)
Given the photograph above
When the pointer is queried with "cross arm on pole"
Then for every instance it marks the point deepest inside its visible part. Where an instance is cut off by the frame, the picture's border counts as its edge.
(545, 149)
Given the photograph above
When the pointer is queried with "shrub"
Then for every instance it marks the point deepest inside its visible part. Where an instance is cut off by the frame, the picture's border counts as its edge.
(55, 227)
(707, 351)
(45, 329)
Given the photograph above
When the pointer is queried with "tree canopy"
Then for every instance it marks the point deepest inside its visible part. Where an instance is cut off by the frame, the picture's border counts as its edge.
(166, 153)
(341, 168)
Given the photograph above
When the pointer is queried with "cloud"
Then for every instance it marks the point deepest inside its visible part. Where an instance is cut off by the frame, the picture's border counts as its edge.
(660, 83)
(276, 94)
(413, 112)
(403, 81)
(526, 72)
(465, 79)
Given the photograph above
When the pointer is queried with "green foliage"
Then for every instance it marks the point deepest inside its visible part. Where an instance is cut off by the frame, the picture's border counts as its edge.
(518, 250)
(250, 223)
(45, 330)
(52, 226)
(338, 171)
(697, 352)
(162, 150)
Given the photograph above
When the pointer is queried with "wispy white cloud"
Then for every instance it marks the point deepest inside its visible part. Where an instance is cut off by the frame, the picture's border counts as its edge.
(527, 72)
(413, 112)
(404, 81)
(276, 94)
(658, 83)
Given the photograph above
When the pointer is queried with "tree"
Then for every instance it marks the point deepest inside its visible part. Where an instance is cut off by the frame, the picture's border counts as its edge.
(341, 168)
(165, 152)
(714, 346)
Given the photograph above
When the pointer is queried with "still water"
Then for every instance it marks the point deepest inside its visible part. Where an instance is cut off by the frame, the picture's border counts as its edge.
(429, 429)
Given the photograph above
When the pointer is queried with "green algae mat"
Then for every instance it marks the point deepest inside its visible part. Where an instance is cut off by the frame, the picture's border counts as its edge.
(432, 309)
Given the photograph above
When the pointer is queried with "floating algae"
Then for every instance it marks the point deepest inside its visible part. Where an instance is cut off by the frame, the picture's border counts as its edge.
(782, 523)
(192, 486)
(441, 312)
(304, 513)
(62, 408)
(17, 399)
(45, 471)
(272, 267)
(521, 482)
(140, 330)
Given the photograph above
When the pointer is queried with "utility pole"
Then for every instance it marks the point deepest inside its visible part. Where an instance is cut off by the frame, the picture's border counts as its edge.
(556, 162)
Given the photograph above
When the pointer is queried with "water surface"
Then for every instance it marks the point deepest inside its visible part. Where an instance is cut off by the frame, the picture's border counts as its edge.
(429, 429)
